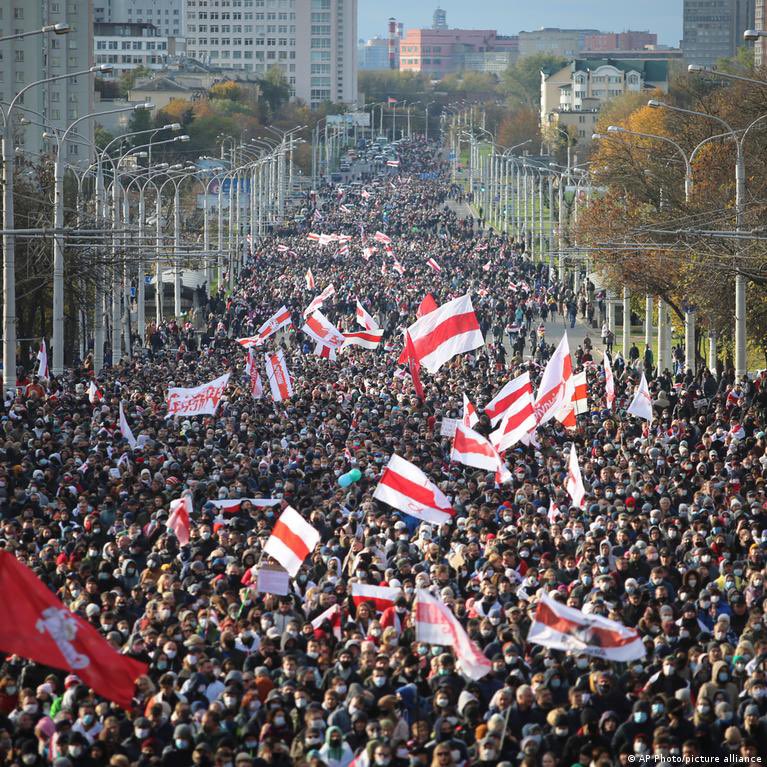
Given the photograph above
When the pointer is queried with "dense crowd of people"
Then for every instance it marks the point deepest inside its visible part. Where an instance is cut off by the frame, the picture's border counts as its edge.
(671, 539)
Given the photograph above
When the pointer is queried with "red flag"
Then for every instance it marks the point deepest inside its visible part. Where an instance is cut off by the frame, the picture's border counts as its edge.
(179, 519)
(427, 305)
(36, 625)
(415, 367)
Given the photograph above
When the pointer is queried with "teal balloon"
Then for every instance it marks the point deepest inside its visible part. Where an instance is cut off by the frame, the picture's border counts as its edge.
(350, 478)
(356, 475)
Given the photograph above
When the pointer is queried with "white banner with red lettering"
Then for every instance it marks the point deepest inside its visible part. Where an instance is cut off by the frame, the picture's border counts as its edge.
(199, 400)
(564, 628)
(278, 376)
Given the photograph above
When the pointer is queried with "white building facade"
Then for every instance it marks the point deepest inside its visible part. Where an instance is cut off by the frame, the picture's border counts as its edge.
(166, 15)
(129, 46)
(313, 42)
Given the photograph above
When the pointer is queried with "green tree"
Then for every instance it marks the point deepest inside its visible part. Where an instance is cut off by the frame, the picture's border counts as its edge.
(275, 88)
(521, 82)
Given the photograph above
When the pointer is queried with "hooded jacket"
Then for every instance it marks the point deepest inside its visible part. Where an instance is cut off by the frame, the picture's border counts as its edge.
(709, 690)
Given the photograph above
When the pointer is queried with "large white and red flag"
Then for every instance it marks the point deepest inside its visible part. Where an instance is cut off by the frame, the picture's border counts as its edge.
(516, 389)
(284, 248)
(641, 404)
(381, 237)
(472, 449)
(364, 319)
(398, 267)
(555, 388)
(565, 628)
(434, 265)
(180, 518)
(319, 300)
(42, 361)
(470, 417)
(580, 393)
(291, 541)
(406, 488)
(254, 379)
(380, 596)
(449, 330)
(436, 624)
(278, 375)
(326, 239)
(323, 331)
(367, 339)
(125, 429)
(367, 253)
(333, 616)
(309, 277)
(198, 400)
(574, 482)
(312, 237)
(94, 393)
(518, 419)
(280, 319)
(609, 382)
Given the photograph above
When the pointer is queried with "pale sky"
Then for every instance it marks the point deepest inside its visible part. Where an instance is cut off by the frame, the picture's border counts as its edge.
(510, 16)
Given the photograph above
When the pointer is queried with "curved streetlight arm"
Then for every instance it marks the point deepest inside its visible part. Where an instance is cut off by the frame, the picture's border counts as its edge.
(654, 103)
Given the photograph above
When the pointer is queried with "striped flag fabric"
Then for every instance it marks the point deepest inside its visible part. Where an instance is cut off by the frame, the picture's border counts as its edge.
(398, 267)
(367, 253)
(291, 541)
(254, 378)
(609, 382)
(380, 596)
(278, 376)
(367, 339)
(42, 361)
(343, 249)
(319, 300)
(312, 236)
(434, 265)
(414, 366)
(364, 319)
(574, 482)
(309, 277)
(333, 616)
(427, 305)
(94, 393)
(470, 417)
(283, 248)
(556, 382)
(381, 237)
(324, 351)
(392, 163)
(449, 330)
(322, 330)
(515, 389)
(326, 239)
(125, 429)
(435, 624)
(406, 488)
(472, 449)
(566, 628)
(580, 393)
(518, 420)
(280, 319)
(179, 519)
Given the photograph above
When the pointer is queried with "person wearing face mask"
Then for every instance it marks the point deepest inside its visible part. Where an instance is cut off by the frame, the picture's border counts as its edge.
(179, 753)
(335, 751)
(720, 685)
(77, 750)
(639, 724)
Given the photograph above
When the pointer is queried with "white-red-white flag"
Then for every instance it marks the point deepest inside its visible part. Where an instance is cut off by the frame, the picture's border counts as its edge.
(553, 513)
(125, 429)
(609, 382)
(449, 330)
(518, 418)
(367, 339)
(309, 277)
(278, 375)
(280, 319)
(555, 388)
(324, 351)
(574, 482)
(436, 624)
(392, 163)
(380, 596)
(428, 304)
(515, 389)
(94, 393)
(179, 519)
(367, 253)
(565, 628)
(406, 488)
(42, 361)
(254, 379)
(382, 238)
(333, 616)
(312, 237)
(641, 405)
(319, 300)
(434, 265)
(398, 267)
(472, 449)
(580, 393)
(364, 319)
(284, 248)
(291, 541)
(323, 331)
(470, 417)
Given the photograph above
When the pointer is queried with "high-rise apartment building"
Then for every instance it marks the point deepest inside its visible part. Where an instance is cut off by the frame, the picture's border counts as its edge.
(166, 15)
(41, 57)
(713, 29)
(760, 46)
(313, 42)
